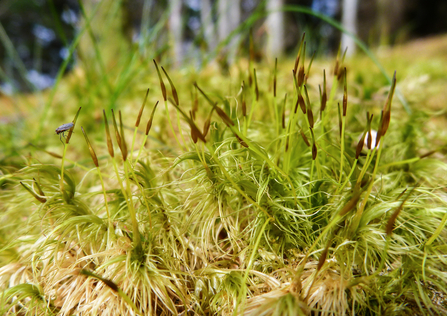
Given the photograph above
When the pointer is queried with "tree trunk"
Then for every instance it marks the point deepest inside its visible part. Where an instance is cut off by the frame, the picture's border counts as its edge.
(349, 22)
(229, 14)
(206, 14)
(176, 30)
(222, 19)
(234, 18)
(275, 28)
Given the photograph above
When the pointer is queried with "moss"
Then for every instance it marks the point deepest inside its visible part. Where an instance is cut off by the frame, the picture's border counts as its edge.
(268, 211)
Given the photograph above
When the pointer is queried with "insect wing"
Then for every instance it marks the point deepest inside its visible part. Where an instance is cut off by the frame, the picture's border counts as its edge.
(64, 128)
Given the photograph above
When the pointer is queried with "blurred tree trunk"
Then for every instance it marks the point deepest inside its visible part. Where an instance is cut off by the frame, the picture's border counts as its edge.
(349, 22)
(275, 28)
(222, 19)
(234, 16)
(176, 30)
(229, 15)
(206, 15)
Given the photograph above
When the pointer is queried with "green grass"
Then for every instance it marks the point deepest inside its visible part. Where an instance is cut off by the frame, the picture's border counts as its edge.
(237, 197)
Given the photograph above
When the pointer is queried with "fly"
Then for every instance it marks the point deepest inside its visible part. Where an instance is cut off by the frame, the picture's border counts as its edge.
(62, 129)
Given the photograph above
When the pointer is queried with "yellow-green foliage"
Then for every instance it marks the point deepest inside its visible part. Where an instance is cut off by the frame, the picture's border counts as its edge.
(232, 197)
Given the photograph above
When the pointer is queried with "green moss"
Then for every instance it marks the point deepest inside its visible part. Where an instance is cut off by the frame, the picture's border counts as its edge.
(251, 216)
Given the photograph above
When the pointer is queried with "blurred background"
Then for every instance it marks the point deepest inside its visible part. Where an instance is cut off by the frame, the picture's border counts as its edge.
(38, 36)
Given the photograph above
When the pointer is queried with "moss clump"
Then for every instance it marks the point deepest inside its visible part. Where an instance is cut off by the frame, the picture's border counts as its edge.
(262, 194)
